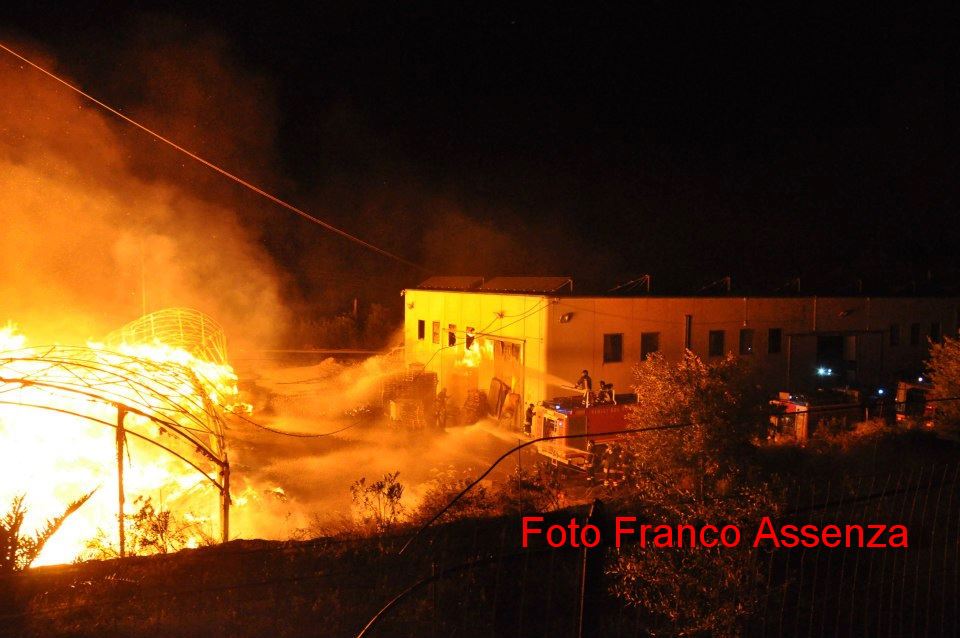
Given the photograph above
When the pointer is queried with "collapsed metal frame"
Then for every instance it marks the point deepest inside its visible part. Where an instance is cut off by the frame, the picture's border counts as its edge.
(170, 395)
(185, 328)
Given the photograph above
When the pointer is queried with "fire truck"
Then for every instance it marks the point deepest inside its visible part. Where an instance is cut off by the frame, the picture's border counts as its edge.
(567, 415)
(800, 416)
(912, 405)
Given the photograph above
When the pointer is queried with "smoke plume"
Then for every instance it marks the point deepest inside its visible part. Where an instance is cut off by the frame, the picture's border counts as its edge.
(91, 238)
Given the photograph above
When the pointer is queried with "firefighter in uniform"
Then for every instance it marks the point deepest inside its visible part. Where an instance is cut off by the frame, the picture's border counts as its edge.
(528, 420)
(441, 409)
(586, 384)
(596, 461)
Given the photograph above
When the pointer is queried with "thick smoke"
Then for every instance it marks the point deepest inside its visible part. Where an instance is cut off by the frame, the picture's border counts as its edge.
(292, 485)
(101, 222)
(90, 237)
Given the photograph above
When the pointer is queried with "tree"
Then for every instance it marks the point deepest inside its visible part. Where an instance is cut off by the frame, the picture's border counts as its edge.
(723, 410)
(943, 371)
(18, 550)
(696, 474)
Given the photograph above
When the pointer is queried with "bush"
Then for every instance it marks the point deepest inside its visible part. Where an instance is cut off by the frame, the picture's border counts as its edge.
(18, 550)
(377, 504)
(149, 531)
(943, 371)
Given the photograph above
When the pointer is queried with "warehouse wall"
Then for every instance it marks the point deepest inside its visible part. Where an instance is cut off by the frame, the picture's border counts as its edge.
(556, 350)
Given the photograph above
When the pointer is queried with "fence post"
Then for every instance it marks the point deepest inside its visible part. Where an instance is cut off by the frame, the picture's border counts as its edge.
(591, 579)
(121, 441)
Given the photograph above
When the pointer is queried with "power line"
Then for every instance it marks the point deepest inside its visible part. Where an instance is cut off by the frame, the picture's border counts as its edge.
(558, 437)
(239, 180)
(517, 448)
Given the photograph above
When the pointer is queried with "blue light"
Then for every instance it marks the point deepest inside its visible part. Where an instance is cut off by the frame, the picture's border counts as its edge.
(919, 379)
(823, 372)
(880, 391)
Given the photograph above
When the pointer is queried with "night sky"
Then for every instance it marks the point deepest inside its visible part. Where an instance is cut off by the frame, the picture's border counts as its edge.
(669, 140)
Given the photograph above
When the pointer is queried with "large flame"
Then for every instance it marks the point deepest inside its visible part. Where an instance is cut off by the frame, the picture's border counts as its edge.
(57, 445)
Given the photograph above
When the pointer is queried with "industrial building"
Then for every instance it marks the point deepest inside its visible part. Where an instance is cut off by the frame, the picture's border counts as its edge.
(532, 336)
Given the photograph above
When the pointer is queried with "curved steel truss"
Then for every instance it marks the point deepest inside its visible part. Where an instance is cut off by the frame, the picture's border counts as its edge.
(184, 328)
(80, 381)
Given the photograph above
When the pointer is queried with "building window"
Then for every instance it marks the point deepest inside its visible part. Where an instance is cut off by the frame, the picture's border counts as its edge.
(436, 332)
(746, 341)
(935, 331)
(688, 332)
(894, 334)
(452, 335)
(613, 348)
(716, 343)
(421, 329)
(649, 343)
(774, 341)
(914, 334)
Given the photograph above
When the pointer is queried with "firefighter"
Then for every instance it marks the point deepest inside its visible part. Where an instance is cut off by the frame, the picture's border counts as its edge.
(585, 383)
(608, 393)
(612, 466)
(607, 463)
(602, 395)
(528, 420)
(441, 409)
(596, 461)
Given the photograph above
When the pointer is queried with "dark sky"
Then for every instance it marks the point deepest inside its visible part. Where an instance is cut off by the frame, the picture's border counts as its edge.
(670, 140)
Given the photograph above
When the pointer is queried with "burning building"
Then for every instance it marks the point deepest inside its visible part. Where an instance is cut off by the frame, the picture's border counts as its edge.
(529, 338)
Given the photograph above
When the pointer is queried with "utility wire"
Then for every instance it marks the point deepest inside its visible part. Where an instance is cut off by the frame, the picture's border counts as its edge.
(517, 448)
(298, 435)
(559, 437)
(239, 180)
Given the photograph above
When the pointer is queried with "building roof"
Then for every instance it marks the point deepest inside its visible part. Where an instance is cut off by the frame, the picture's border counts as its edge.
(563, 286)
(451, 282)
(528, 284)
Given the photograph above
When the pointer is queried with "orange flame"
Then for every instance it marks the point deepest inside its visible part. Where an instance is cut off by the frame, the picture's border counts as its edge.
(53, 456)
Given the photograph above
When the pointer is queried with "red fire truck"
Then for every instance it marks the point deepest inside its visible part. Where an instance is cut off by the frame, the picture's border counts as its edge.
(567, 415)
(800, 416)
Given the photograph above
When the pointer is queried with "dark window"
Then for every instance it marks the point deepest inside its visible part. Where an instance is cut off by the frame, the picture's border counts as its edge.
(452, 335)
(613, 348)
(470, 338)
(436, 332)
(914, 334)
(746, 341)
(421, 333)
(774, 340)
(894, 334)
(688, 331)
(935, 331)
(649, 343)
(716, 343)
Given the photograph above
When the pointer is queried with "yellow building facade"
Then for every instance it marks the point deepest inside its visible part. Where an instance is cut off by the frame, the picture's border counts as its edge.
(537, 344)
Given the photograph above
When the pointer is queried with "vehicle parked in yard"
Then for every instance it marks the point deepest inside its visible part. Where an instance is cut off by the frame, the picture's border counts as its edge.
(912, 407)
(801, 416)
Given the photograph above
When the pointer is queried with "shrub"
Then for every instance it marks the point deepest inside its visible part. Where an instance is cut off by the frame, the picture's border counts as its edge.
(18, 550)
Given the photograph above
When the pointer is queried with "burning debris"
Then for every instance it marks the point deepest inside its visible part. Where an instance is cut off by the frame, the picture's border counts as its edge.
(144, 414)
